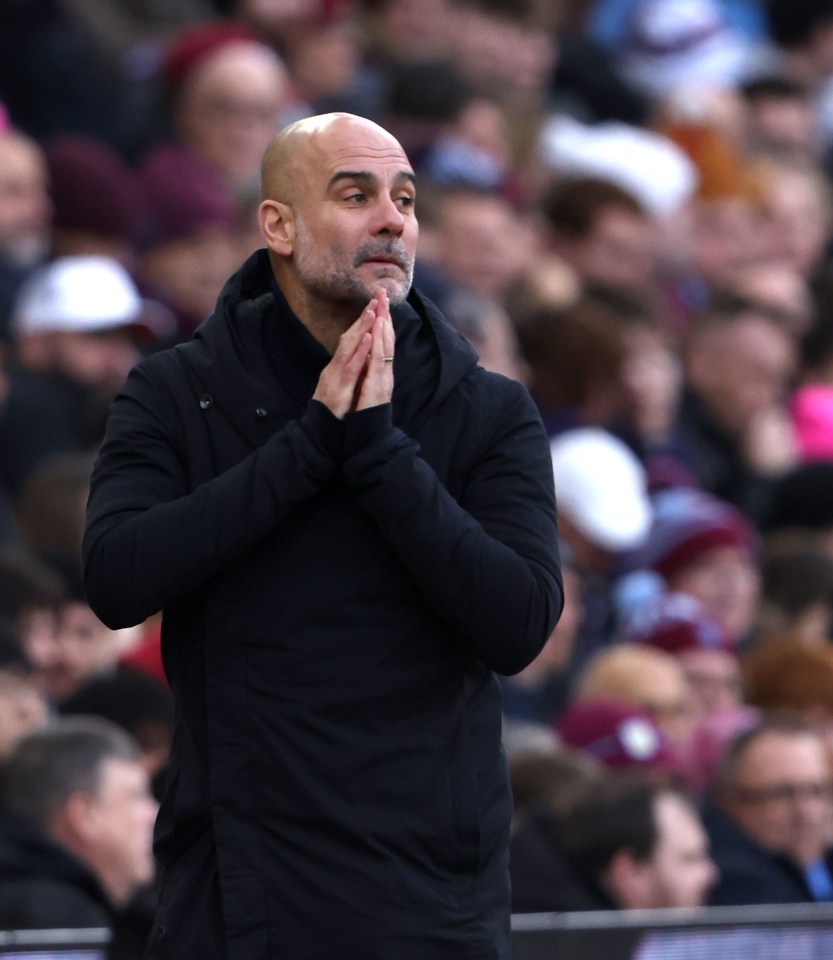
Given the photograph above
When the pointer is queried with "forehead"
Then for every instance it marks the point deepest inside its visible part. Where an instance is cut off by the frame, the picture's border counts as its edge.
(775, 755)
(348, 145)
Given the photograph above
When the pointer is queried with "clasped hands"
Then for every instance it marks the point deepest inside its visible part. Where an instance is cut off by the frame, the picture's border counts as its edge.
(360, 372)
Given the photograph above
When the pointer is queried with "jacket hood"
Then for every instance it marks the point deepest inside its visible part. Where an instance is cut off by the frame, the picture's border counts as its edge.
(231, 339)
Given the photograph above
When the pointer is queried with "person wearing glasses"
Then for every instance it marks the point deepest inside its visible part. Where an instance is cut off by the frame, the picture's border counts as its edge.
(770, 816)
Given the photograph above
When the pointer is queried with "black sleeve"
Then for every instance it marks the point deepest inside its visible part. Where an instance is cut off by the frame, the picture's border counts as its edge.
(488, 564)
(149, 539)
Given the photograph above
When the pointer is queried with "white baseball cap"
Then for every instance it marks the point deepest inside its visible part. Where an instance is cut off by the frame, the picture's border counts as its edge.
(601, 488)
(81, 294)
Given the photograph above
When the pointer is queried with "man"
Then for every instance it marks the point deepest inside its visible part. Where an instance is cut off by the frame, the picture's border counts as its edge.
(75, 328)
(76, 841)
(347, 538)
(732, 425)
(771, 821)
(630, 843)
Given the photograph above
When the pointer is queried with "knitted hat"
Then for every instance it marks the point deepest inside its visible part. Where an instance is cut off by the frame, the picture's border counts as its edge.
(617, 734)
(93, 189)
(687, 524)
(195, 43)
(675, 622)
(183, 196)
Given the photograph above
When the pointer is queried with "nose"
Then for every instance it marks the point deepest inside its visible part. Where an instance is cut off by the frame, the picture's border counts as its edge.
(390, 217)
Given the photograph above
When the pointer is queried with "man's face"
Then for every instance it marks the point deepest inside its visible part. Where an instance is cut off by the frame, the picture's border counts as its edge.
(681, 871)
(25, 207)
(619, 249)
(355, 226)
(80, 647)
(120, 829)
(98, 361)
(782, 797)
(231, 108)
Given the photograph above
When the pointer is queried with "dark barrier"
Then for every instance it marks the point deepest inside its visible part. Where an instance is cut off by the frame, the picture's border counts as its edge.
(784, 932)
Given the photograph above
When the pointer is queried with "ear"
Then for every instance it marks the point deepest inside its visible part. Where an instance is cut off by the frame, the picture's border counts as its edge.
(277, 225)
(626, 880)
(74, 823)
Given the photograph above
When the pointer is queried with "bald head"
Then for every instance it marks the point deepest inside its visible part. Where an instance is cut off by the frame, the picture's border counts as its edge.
(308, 144)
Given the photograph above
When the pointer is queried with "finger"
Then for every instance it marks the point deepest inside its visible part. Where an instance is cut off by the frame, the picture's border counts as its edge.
(351, 337)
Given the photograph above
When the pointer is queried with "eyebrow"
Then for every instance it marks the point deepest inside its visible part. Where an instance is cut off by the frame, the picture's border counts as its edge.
(364, 176)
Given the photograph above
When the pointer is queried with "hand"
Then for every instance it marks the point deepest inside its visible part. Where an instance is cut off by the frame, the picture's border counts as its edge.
(341, 379)
(377, 386)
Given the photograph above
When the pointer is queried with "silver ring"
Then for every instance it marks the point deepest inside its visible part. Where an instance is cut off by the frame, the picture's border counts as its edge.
(388, 359)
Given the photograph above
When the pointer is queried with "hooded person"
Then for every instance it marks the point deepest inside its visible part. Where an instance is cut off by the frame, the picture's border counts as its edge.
(349, 527)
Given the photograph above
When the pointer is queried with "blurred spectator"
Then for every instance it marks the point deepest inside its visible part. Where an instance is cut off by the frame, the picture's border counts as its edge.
(139, 705)
(576, 356)
(770, 825)
(77, 827)
(778, 119)
(479, 240)
(407, 30)
(776, 288)
(794, 678)
(96, 199)
(629, 843)
(550, 780)
(733, 422)
(647, 678)
(797, 203)
(802, 32)
(603, 502)
(25, 215)
(31, 593)
(601, 230)
(76, 325)
(604, 514)
(677, 624)
(191, 238)
(82, 646)
(506, 47)
(617, 734)
(486, 325)
(50, 509)
(702, 547)
(23, 707)
(229, 93)
(674, 46)
(797, 591)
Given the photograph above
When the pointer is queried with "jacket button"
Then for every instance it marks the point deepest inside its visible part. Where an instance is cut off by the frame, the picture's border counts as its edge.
(206, 400)
(261, 413)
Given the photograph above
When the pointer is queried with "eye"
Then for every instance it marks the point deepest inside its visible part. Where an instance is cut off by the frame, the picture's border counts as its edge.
(405, 201)
(355, 198)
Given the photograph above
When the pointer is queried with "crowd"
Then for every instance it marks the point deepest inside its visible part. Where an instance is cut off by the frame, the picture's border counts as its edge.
(625, 205)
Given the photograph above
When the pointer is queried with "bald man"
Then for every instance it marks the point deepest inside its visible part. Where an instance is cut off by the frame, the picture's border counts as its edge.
(349, 526)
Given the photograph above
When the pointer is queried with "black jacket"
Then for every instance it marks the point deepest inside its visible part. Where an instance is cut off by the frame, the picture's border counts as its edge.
(43, 887)
(747, 872)
(336, 596)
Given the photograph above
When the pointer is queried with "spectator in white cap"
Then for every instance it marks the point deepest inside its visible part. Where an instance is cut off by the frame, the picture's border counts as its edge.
(75, 329)
(604, 514)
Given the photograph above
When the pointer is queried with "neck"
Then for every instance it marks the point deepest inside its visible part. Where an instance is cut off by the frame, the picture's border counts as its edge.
(325, 320)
